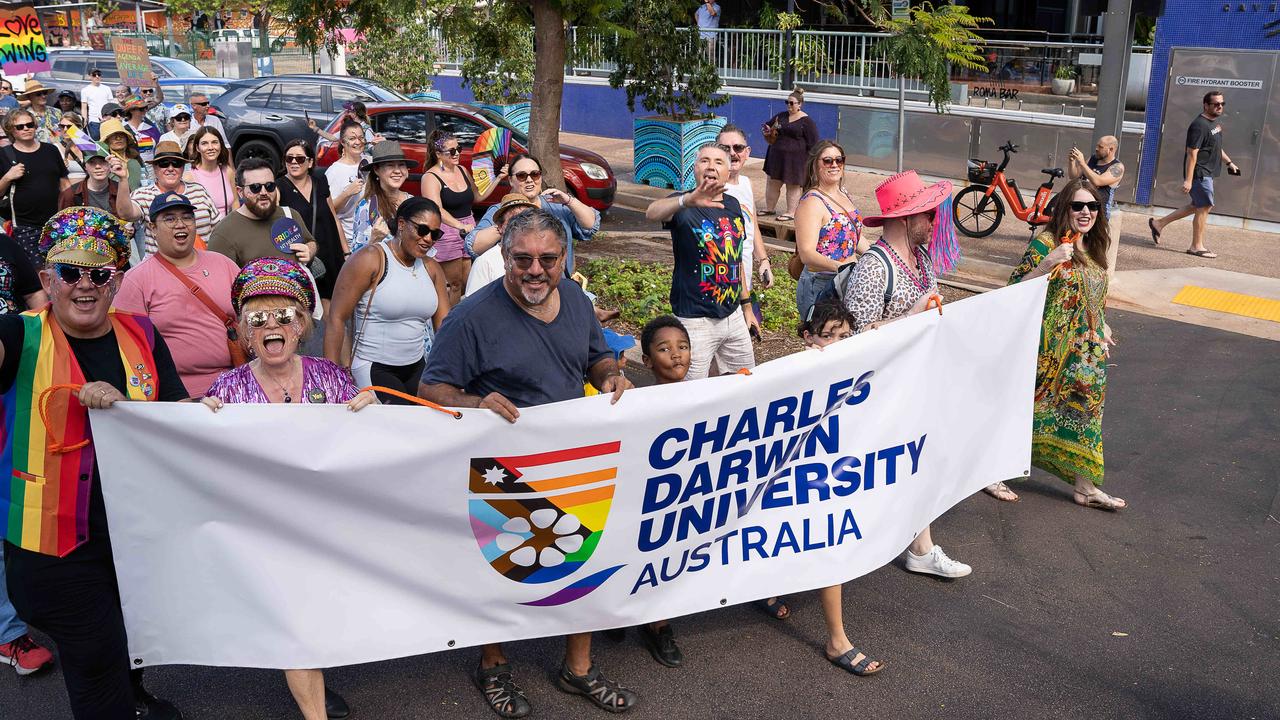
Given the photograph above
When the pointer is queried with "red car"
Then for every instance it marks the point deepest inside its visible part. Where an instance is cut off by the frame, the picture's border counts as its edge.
(587, 175)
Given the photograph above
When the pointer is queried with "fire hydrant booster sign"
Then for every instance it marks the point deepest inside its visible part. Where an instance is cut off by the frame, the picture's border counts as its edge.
(322, 537)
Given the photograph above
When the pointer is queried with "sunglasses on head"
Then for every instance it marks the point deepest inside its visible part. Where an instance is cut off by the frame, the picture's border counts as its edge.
(524, 262)
(736, 148)
(837, 161)
(1078, 205)
(424, 230)
(528, 175)
(283, 316)
(73, 274)
(296, 159)
(255, 188)
(24, 126)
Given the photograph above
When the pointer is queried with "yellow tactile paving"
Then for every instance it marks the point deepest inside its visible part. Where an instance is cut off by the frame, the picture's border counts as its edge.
(1229, 302)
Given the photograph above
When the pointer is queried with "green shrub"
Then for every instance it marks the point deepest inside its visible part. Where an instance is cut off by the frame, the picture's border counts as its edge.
(642, 291)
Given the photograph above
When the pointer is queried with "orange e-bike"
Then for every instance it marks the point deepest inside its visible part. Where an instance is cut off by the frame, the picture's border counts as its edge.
(978, 209)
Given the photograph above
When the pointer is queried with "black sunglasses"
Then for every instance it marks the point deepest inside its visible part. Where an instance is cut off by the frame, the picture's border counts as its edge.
(182, 118)
(201, 104)
(255, 188)
(833, 161)
(73, 274)
(451, 151)
(117, 113)
(737, 148)
(170, 164)
(1078, 205)
(524, 262)
(296, 159)
(24, 126)
(424, 230)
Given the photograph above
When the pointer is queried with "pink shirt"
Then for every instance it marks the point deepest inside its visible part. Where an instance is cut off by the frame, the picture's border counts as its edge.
(196, 338)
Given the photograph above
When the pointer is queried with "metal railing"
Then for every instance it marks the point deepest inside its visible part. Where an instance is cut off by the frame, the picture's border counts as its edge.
(1033, 63)
(844, 62)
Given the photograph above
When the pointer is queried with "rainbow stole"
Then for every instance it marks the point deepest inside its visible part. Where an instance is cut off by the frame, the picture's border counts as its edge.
(44, 505)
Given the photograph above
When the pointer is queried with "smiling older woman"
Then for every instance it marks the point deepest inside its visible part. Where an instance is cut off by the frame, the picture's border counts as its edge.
(274, 301)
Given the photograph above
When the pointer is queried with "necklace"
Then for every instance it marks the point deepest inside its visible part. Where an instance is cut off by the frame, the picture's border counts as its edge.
(411, 267)
(922, 282)
(282, 387)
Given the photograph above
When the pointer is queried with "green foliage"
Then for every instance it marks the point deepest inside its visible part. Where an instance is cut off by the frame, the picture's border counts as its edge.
(661, 60)
(642, 291)
(1065, 72)
(923, 45)
(1144, 30)
(495, 44)
(403, 60)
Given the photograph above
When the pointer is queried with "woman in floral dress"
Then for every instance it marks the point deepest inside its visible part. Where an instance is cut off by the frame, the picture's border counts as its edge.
(1075, 342)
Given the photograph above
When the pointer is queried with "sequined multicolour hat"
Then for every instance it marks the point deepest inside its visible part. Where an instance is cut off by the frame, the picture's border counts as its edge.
(272, 277)
(85, 236)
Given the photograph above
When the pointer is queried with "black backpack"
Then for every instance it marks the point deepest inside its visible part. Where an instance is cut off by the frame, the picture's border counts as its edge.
(845, 271)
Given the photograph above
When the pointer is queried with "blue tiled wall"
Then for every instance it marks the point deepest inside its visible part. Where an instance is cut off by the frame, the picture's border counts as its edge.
(601, 110)
(1197, 23)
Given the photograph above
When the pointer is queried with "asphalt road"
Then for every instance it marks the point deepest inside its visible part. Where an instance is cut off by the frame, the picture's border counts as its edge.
(1165, 610)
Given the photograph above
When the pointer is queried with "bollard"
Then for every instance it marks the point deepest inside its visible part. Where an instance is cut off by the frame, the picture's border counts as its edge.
(1019, 104)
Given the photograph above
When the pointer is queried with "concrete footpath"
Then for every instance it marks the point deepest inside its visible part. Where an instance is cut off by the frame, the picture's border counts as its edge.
(1237, 292)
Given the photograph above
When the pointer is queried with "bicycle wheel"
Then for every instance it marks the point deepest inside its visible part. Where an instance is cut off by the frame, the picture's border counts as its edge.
(976, 215)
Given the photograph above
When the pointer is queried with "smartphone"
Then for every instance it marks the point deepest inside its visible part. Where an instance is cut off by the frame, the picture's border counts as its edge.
(1233, 170)
(306, 116)
(767, 276)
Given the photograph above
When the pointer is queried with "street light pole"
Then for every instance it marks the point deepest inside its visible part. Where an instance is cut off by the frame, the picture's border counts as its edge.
(788, 61)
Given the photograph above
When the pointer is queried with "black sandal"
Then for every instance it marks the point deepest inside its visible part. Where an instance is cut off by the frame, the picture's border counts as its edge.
(774, 608)
(500, 690)
(605, 693)
(845, 662)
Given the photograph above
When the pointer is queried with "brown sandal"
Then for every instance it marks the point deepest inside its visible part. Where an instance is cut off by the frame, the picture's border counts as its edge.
(1001, 492)
(1100, 500)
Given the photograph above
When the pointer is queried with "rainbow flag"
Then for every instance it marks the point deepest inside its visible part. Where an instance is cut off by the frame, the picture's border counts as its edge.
(83, 142)
(44, 494)
(147, 137)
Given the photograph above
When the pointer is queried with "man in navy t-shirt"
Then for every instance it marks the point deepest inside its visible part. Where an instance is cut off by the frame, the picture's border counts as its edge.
(708, 290)
(527, 340)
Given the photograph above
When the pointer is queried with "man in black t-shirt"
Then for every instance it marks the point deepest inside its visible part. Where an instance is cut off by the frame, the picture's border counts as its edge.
(530, 339)
(65, 582)
(708, 283)
(1204, 161)
(32, 175)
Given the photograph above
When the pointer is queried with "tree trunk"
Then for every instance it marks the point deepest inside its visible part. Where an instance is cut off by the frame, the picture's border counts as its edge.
(548, 89)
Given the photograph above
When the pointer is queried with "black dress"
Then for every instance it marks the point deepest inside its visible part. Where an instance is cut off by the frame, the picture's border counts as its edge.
(322, 224)
(788, 156)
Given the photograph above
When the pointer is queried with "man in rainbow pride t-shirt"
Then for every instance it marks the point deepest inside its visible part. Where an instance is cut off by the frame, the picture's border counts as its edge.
(56, 363)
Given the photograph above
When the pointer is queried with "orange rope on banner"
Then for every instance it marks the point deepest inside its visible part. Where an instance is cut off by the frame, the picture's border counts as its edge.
(934, 301)
(56, 446)
(413, 399)
(744, 371)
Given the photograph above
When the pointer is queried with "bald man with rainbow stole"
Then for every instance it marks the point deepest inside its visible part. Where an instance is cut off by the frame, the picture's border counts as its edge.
(55, 364)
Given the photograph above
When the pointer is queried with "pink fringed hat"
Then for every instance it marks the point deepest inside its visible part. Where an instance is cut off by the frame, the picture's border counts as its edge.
(906, 194)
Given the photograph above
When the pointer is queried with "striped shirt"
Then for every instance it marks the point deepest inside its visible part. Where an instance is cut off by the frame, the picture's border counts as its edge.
(195, 192)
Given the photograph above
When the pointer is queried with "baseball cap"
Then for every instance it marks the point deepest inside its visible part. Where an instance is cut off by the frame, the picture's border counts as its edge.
(164, 201)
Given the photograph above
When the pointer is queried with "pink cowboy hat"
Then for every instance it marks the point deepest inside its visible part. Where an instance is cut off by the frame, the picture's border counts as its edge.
(906, 194)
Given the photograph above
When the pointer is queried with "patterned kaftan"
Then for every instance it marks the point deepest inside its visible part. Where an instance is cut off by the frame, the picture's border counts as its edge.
(1071, 374)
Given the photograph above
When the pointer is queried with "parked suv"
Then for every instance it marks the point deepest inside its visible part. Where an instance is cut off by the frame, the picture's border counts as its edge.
(261, 115)
(71, 68)
(586, 174)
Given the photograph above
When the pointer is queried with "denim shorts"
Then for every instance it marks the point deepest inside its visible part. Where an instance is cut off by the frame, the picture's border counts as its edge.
(1202, 192)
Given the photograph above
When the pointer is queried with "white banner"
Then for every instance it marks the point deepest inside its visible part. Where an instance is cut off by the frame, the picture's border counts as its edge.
(288, 536)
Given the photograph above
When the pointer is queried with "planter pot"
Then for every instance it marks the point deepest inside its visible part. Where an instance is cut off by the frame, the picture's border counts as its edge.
(1063, 87)
(516, 114)
(665, 149)
(426, 95)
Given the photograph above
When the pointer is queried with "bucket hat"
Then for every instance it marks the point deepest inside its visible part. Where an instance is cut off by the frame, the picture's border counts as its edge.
(390, 151)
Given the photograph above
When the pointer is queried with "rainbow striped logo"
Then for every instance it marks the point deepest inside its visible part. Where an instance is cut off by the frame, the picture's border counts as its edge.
(538, 518)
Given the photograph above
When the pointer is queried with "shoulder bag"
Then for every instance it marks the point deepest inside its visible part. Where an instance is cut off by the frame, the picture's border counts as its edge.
(238, 355)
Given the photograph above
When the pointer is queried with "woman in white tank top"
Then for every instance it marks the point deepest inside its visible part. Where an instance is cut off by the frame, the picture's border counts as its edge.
(387, 293)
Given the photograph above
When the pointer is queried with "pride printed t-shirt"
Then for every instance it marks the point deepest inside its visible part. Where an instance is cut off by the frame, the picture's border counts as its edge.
(707, 244)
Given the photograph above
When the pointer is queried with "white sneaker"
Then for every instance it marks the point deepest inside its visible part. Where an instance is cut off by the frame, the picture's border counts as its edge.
(936, 562)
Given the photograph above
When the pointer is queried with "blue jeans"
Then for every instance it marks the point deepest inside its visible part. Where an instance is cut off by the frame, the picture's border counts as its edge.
(11, 628)
(809, 287)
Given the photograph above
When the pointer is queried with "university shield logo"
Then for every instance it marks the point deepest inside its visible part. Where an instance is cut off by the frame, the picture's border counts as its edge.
(538, 518)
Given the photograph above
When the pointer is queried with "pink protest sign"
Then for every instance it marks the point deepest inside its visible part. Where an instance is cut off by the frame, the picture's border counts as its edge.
(22, 45)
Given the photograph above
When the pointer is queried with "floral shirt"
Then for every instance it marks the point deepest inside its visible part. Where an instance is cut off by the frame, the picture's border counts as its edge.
(322, 382)
(839, 236)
